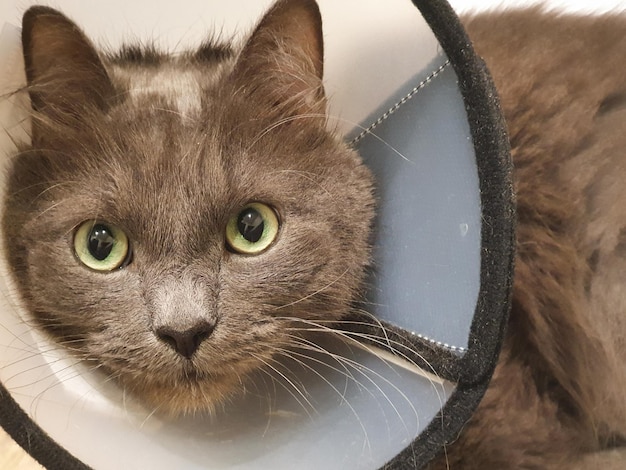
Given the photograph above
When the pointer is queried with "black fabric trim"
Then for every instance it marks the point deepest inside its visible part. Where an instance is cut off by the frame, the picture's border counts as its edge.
(492, 149)
(32, 438)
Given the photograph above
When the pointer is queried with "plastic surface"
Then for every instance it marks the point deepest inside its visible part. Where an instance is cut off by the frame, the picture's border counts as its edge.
(427, 272)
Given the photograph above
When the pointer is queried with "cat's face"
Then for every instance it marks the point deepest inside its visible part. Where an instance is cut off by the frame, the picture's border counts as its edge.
(175, 233)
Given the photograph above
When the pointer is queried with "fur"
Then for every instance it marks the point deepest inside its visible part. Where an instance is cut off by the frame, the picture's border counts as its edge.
(557, 398)
(113, 139)
(169, 162)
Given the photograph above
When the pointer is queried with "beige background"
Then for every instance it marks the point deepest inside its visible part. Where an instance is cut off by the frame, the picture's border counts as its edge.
(12, 457)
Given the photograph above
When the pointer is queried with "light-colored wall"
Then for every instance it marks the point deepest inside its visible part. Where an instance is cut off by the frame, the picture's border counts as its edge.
(12, 457)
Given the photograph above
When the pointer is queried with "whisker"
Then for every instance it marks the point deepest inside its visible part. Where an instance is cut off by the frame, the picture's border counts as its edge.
(150, 415)
(343, 335)
(289, 354)
(317, 327)
(345, 372)
(290, 382)
(177, 113)
(308, 176)
(320, 290)
(406, 98)
(281, 122)
(364, 371)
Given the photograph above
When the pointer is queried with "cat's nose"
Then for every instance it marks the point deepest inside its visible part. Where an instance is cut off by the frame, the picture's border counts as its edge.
(187, 341)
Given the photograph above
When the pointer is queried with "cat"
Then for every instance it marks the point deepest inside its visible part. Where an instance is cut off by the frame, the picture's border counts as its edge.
(178, 219)
(558, 395)
(210, 182)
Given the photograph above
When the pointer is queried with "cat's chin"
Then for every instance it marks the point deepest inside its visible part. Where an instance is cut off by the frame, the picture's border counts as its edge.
(186, 397)
(191, 391)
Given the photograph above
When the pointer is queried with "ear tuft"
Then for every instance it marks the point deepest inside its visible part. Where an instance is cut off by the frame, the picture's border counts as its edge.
(283, 59)
(63, 70)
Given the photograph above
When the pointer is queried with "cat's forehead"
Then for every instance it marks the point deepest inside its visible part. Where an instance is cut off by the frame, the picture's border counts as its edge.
(158, 162)
(184, 147)
(181, 84)
(217, 138)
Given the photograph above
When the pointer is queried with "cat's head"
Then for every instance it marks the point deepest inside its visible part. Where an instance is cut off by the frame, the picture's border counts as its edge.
(178, 220)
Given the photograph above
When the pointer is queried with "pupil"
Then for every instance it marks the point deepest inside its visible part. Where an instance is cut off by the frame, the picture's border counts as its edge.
(100, 242)
(250, 224)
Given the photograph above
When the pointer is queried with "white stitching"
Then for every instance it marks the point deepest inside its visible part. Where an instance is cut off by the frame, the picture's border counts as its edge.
(439, 343)
(373, 126)
(396, 106)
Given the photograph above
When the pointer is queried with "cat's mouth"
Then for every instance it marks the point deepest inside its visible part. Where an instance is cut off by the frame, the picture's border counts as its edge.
(195, 391)
(192, 374)
(190, 389)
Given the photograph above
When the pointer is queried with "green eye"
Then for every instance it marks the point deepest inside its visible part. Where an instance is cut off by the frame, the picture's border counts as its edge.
(253, 229)
(101, 246)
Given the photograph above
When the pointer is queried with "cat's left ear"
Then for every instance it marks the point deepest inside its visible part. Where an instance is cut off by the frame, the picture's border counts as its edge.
(63, 69)
(283, 60)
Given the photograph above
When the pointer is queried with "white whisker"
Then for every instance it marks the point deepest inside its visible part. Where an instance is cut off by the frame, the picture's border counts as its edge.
(290, 355)
(345, 336)
(320, 290)
(281, 122)
(291, 383)
(365, 371)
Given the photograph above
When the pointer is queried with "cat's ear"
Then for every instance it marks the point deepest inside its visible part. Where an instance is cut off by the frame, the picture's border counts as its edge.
(283, 60)
(63, 70)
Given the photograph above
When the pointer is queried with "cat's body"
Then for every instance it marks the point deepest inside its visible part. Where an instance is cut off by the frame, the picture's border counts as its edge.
(169, 150)
(559, 392)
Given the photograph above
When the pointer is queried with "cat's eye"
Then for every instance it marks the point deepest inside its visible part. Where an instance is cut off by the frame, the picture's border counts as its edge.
(101, 246)
(252, 229)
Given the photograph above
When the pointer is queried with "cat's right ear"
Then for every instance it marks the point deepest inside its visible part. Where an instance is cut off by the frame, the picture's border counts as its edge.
(282, 62)
(63, 70)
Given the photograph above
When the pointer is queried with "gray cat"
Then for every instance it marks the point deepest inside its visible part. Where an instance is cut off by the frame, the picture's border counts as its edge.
(178, 221)
(558, 396)
(177, 217)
